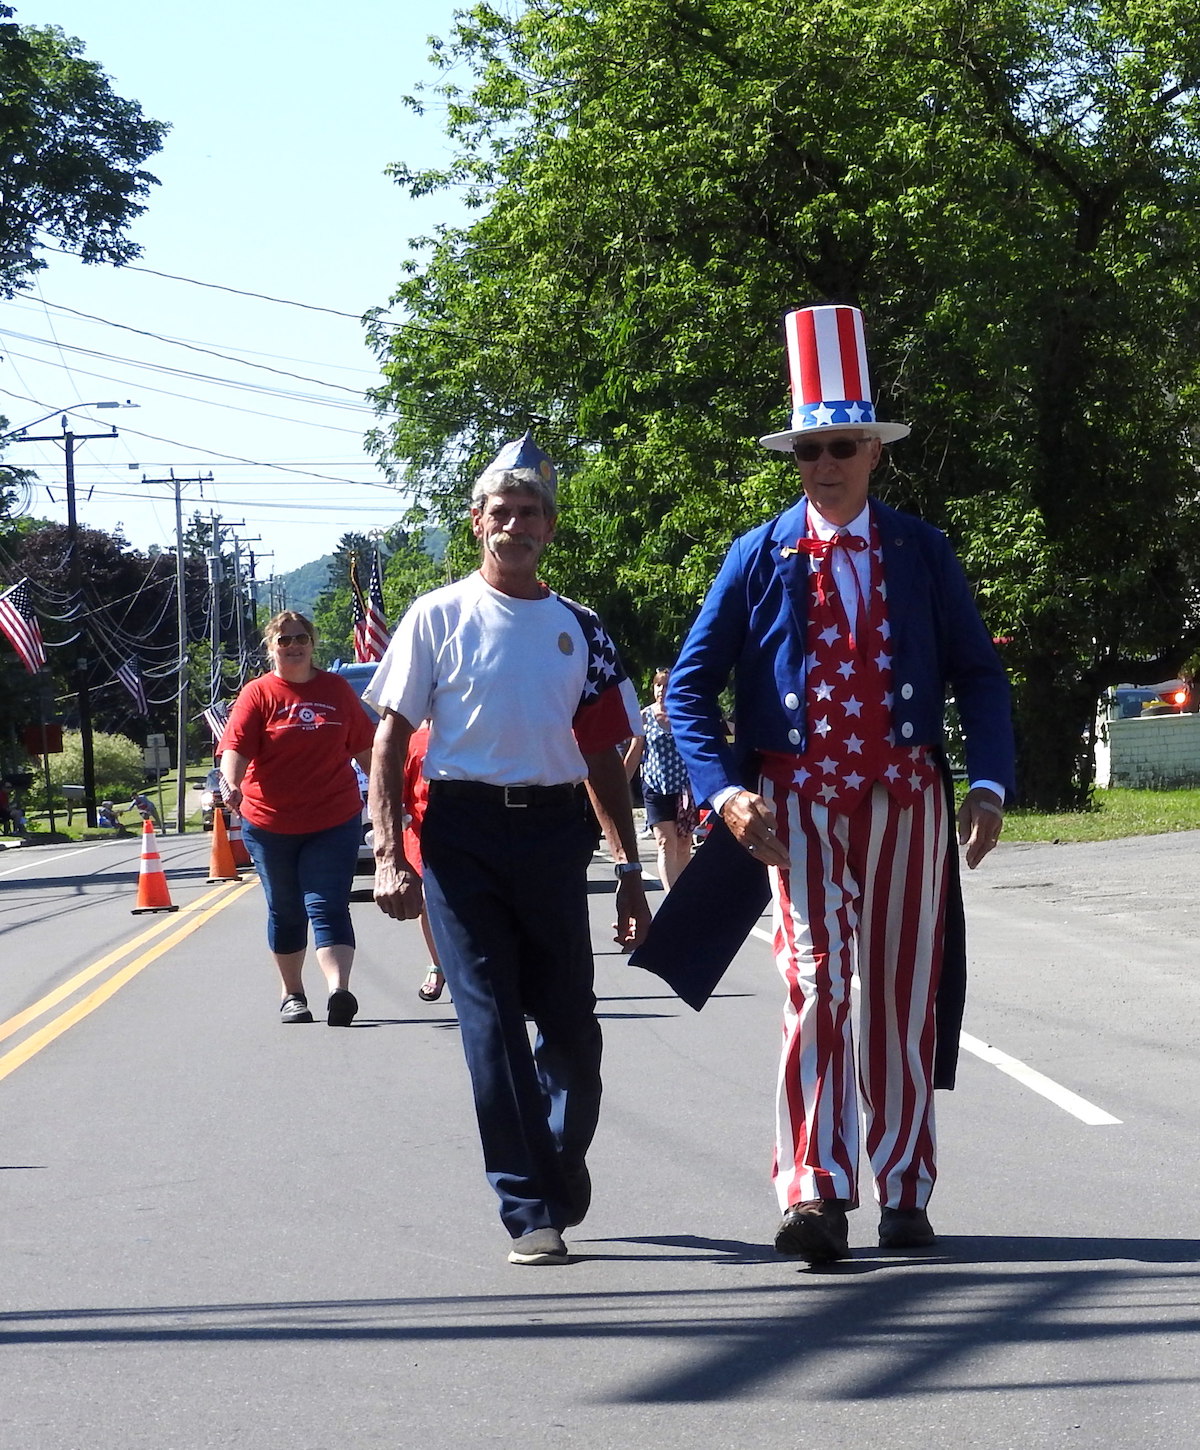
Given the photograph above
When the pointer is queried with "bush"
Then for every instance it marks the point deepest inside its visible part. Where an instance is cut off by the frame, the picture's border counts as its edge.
(119, 768)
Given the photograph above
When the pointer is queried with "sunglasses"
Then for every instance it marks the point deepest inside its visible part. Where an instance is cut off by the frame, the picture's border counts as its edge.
(286, 639)
(843, 448)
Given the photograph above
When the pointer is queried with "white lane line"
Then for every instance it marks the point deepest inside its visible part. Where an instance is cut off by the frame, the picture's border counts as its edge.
(1062, 1097)
(1028, 1076)
(41, 860)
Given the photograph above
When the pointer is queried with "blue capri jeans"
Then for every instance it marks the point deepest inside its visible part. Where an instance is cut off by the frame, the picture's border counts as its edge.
(306, 877)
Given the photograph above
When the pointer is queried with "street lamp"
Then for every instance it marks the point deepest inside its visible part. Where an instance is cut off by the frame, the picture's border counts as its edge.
(68, 438)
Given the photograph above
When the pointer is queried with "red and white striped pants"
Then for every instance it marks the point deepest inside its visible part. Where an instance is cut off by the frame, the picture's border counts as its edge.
(868, 891)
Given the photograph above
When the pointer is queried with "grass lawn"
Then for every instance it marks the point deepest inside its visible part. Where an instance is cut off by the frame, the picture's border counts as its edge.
(40, 835)
(1115, 813)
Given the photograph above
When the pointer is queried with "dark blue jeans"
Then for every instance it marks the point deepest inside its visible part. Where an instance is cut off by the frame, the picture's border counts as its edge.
(306, 877)
(506, 892)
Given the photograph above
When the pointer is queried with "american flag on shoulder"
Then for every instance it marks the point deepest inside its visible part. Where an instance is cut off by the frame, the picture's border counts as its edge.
(20, 624)
(131, 677)
(608, 712)
(371, 634)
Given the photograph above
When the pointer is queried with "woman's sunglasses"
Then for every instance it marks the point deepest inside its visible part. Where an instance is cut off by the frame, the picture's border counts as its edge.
(286, 639)
(810, 451)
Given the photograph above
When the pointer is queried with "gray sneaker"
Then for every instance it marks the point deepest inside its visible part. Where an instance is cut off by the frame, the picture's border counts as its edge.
(294, 1009)
(542, 1246)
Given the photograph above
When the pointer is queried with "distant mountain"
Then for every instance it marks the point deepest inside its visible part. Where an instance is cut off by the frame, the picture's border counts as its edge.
(302, 587)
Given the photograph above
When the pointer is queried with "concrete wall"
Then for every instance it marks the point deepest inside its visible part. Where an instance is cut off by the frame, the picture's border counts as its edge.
(1163, 750)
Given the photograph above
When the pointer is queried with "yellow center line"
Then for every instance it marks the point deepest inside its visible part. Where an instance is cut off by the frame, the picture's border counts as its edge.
(52, 999)
(13, 1059)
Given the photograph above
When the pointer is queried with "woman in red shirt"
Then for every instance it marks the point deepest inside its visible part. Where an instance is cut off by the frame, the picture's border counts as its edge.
(285, 767)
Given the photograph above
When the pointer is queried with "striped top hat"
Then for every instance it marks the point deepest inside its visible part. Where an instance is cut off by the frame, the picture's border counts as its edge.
(831, 388)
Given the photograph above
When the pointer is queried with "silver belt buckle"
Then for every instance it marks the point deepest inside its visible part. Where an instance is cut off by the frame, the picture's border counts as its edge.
(515, 805)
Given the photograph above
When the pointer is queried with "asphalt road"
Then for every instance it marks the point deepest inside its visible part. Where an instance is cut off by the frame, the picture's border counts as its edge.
(221, 1232)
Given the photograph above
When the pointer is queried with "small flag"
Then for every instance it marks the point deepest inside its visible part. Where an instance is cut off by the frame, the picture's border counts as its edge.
(130, 676)
(20, 624)
(217, 717)
(371, 634)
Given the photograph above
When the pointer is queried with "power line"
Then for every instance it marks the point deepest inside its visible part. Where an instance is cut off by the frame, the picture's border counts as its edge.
(195, 347)
(209, 452)
(258, 388)
(212, 402)
(360, 317)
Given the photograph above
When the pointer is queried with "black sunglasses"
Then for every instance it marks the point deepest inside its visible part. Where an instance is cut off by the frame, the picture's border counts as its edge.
(286, 639)
(811, 450)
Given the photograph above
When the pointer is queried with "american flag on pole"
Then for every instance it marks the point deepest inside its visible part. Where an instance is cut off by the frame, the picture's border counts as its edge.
(371, 634)
(217, 717)
(131, 677)
(20, 624)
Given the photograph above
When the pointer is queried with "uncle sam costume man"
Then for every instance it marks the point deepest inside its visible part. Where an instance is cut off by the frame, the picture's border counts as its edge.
(844, 623)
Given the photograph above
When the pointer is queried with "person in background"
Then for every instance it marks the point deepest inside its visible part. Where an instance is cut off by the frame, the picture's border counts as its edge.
(107, 818)
(670, 813)
(286, 756)
(146, 807)
(416, 798)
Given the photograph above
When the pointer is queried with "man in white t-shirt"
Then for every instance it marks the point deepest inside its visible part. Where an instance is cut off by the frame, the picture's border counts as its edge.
(528, 702)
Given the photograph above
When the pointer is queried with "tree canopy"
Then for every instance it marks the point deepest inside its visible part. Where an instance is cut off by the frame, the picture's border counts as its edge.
(71, 154)
(1008, 189)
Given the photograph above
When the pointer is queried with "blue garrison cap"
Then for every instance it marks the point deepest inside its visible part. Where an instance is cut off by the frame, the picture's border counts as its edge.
(524, 453)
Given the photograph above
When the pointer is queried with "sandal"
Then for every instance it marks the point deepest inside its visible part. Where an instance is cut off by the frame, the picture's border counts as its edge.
(431, 988)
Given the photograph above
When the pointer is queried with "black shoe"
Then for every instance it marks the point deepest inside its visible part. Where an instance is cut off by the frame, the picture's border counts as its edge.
(815, 1230)
(905, 1228)
(342, 1006)
(579, 1188)
(432, 987)
(295, 1009)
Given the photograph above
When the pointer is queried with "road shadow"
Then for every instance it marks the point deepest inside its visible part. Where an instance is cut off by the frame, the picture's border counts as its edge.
(875, 1329)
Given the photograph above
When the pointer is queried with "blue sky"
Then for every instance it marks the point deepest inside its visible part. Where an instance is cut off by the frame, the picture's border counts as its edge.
(284, 116)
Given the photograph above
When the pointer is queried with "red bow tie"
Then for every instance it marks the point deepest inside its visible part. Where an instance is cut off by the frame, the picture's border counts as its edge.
(819, 548)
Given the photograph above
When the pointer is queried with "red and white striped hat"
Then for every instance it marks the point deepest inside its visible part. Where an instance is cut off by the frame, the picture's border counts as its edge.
(831, 388)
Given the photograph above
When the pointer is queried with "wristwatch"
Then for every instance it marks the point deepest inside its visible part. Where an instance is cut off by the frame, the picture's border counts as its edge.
(627, 868)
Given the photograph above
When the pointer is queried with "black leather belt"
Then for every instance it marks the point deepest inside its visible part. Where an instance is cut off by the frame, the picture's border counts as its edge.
(514, 797)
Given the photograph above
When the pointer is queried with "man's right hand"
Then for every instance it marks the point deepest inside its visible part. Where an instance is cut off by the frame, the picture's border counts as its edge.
(398, 891)
(752, 824)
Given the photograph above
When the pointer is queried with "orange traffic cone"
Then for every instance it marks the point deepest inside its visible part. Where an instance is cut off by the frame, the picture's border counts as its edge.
(152, 882)
(241, 856)
(221, 865)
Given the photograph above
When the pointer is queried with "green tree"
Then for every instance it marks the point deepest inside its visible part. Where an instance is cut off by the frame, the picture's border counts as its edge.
(71, 153)
(1009, 190)
(410, 568)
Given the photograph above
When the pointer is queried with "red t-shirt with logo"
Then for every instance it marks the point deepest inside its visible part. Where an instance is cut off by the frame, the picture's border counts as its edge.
(299, 740)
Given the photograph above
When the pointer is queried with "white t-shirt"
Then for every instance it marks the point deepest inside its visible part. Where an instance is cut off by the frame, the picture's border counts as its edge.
(517, 690)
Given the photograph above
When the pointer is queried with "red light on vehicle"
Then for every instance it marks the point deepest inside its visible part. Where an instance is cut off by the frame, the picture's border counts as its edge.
(1179, 698)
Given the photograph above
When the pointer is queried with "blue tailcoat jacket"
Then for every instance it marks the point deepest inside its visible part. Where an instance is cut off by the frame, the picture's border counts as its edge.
(753, 625)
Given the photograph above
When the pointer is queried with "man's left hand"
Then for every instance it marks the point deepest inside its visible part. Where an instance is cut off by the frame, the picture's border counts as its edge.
(980, 821)
(633, 913)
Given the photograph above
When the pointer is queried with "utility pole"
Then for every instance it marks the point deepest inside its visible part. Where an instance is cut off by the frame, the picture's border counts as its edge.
(215, 577)
(79, 670)
(239, 601)
(181, 696)
(253, 586)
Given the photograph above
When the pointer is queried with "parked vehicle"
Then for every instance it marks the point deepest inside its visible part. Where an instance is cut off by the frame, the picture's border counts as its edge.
(1168, 697)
